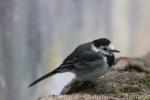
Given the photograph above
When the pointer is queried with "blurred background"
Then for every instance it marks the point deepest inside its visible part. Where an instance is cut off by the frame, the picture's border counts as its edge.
(36, 35)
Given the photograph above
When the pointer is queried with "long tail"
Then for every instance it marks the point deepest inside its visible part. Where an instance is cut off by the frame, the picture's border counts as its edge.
(43, 77)
(60, 69)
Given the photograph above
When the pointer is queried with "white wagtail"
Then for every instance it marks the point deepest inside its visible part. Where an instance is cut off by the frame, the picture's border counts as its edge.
(88, 61)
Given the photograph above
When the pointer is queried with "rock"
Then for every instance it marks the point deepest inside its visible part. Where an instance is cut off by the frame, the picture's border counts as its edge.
(128, 79)
(127, 76)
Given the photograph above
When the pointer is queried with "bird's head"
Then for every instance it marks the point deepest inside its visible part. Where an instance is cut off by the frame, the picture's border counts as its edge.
(104, 46)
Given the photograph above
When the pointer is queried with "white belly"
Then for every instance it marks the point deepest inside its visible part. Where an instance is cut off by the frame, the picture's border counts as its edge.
(93, 75)
(90, 72)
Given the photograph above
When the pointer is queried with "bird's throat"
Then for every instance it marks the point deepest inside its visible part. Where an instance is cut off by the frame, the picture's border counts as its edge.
(110, 59)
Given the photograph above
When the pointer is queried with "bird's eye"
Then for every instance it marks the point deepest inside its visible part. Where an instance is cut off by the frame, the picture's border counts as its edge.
(105, 48)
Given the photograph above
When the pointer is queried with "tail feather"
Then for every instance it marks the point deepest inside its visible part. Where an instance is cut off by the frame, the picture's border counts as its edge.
(43, 77)
(60, 69)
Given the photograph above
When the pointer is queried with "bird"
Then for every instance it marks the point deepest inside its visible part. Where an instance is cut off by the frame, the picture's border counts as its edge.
(88, 61)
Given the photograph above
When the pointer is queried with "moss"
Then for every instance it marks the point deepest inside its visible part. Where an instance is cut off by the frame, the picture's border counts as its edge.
(123, 94)
(146, 82)
(131, 96)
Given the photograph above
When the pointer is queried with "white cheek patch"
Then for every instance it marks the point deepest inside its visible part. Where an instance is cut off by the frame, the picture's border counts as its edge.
(111, 47)
(104, 52)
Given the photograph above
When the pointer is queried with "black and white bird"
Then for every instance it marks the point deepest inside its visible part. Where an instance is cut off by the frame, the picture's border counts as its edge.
(88, 61)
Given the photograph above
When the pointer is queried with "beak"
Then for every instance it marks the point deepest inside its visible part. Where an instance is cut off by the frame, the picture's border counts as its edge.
(117, 51)
(112, 49)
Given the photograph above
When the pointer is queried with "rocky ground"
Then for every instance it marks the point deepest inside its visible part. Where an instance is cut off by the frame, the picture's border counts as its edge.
(129, 79)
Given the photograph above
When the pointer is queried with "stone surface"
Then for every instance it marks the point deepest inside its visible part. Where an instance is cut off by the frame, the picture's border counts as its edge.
(129, 78)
